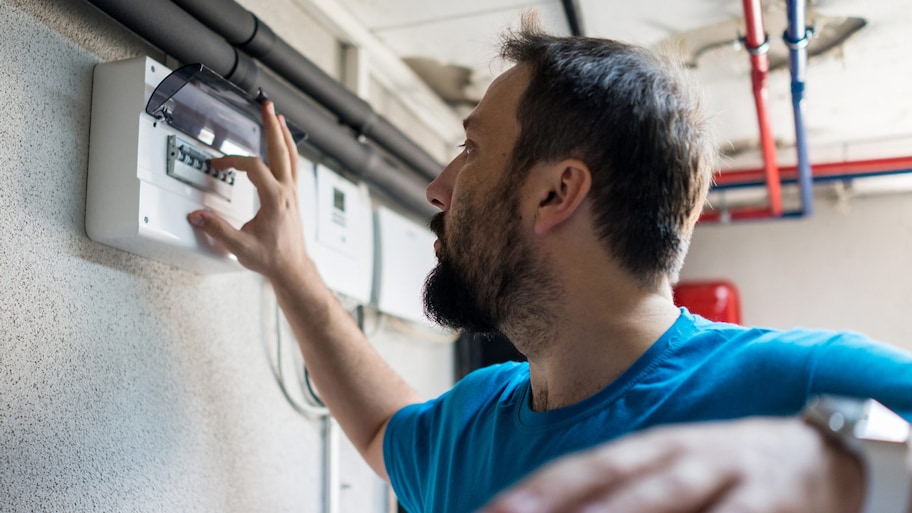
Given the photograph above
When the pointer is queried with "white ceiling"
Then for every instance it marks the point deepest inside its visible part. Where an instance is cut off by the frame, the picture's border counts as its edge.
(858, 96)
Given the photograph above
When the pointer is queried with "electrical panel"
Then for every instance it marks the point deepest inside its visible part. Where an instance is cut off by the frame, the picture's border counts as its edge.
(404, 257)
(153, 133)
(338, 229)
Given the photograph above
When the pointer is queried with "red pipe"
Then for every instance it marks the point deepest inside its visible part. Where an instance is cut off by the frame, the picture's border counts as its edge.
(853, 169)
(737, 215)
(757, 45)
(830, 169)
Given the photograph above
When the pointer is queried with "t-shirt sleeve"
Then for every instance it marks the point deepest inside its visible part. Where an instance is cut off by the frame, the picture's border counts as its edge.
(853, 365)
(418, 436)
(406, 452)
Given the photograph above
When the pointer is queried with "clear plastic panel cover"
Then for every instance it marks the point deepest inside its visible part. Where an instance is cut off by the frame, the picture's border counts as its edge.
(203, 105)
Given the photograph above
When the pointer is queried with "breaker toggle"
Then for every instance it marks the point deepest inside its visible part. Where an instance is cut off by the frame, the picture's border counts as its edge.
(191, 165)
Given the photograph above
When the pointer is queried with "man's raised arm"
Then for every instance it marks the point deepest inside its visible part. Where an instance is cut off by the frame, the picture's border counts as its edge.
(358, 387)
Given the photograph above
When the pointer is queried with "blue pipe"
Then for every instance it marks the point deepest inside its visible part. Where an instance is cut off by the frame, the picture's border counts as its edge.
(842, 177)
(796, 37)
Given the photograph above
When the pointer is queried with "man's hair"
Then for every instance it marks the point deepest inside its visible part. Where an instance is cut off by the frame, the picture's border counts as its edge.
(632, 117)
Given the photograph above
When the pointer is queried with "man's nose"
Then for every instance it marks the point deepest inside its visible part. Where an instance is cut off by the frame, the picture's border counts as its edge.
(440, 190)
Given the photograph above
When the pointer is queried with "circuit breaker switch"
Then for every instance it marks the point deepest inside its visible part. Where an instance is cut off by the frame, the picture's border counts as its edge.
(190, 165)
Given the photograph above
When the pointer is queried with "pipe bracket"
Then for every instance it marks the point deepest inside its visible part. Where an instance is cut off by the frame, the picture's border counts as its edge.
(262, 41)
(763, 48)
(798, 44)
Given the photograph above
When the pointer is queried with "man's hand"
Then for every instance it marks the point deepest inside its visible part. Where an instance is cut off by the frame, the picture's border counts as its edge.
(272, 243)
(753, 465)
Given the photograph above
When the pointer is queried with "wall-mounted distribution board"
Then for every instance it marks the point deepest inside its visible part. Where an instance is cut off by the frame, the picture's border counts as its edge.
(153, 132)
(338, 229)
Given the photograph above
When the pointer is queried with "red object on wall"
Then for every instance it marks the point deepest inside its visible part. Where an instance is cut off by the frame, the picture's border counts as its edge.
(716, 300)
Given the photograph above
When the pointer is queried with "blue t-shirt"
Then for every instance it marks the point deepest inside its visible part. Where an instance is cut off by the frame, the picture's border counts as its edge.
(454, 453)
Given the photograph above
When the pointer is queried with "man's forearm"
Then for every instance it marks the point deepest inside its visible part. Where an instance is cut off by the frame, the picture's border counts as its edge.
(360, 389)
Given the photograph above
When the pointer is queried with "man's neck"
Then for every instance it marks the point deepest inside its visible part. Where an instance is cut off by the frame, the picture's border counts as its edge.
(591, 348)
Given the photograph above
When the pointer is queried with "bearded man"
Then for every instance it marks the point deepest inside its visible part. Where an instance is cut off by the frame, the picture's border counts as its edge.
(564, 223)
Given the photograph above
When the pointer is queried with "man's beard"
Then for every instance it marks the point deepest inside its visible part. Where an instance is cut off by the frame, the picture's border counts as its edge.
(489, 280)
(450, 302)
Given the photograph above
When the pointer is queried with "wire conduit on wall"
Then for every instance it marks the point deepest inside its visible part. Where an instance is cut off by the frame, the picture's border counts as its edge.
(245, 31)
(177, 33)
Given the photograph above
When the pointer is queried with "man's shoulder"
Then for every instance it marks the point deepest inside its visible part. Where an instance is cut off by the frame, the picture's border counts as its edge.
(482, 390)
(746, 347)
(494, 379)
(763, 338)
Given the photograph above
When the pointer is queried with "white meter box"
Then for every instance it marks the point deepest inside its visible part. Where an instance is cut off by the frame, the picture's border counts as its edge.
(405, 256)
(338, 229)
(152, 135)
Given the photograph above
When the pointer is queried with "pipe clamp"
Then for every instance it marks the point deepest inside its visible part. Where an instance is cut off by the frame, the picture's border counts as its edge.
(798, 44)
(763, 48)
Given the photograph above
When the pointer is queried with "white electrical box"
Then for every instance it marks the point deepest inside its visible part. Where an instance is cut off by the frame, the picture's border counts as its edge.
(405, 256)
(338, 229)
(152, 135)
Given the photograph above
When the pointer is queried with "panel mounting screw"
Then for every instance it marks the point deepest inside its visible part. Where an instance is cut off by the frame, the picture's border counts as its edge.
(146, 219)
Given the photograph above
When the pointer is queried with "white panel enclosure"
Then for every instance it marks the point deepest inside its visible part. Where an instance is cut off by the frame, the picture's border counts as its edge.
(336, 214)
(145, 177)
(405, 256)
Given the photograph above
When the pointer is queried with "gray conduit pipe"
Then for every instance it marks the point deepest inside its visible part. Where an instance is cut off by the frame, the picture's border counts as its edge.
(178, 34)
(244, 30)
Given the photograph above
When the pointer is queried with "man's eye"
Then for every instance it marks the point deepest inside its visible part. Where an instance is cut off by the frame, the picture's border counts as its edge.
(467, 148)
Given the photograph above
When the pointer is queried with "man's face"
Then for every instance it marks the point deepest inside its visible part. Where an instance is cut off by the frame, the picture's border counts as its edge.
(484, 258)
(476, 253)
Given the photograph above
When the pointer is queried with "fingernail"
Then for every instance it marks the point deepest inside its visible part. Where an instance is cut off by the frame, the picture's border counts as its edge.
(196, 219)
(271, 107)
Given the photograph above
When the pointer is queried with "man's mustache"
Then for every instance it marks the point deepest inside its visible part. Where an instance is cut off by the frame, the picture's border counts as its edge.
(436, 225)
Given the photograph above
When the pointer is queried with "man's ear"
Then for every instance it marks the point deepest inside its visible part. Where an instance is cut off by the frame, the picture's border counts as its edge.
(564, 186)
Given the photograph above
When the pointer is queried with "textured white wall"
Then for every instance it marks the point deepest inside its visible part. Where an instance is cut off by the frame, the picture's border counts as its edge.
(845, 267)
(125, 384)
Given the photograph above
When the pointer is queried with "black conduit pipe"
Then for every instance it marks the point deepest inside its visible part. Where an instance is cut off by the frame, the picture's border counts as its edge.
(367, 163)
(244, 30)
(178, 34)
(574, 20)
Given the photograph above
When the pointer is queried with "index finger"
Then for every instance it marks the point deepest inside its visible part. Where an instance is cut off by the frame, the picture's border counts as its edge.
(292, 148)
(256, 170)
(276, 150)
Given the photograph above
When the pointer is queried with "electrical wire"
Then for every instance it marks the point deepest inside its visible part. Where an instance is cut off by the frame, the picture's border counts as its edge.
(310, 388)
(312, 407)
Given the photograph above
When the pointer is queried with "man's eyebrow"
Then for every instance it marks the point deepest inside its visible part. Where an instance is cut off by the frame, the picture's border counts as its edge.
(467, 121)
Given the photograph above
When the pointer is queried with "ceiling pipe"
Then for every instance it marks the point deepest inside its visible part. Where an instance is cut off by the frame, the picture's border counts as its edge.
(743, 214)
(830, 171)
(757, 44)
(245, 31)
(177, 33)
(796, 37)
(822, 173)
(574, 19)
